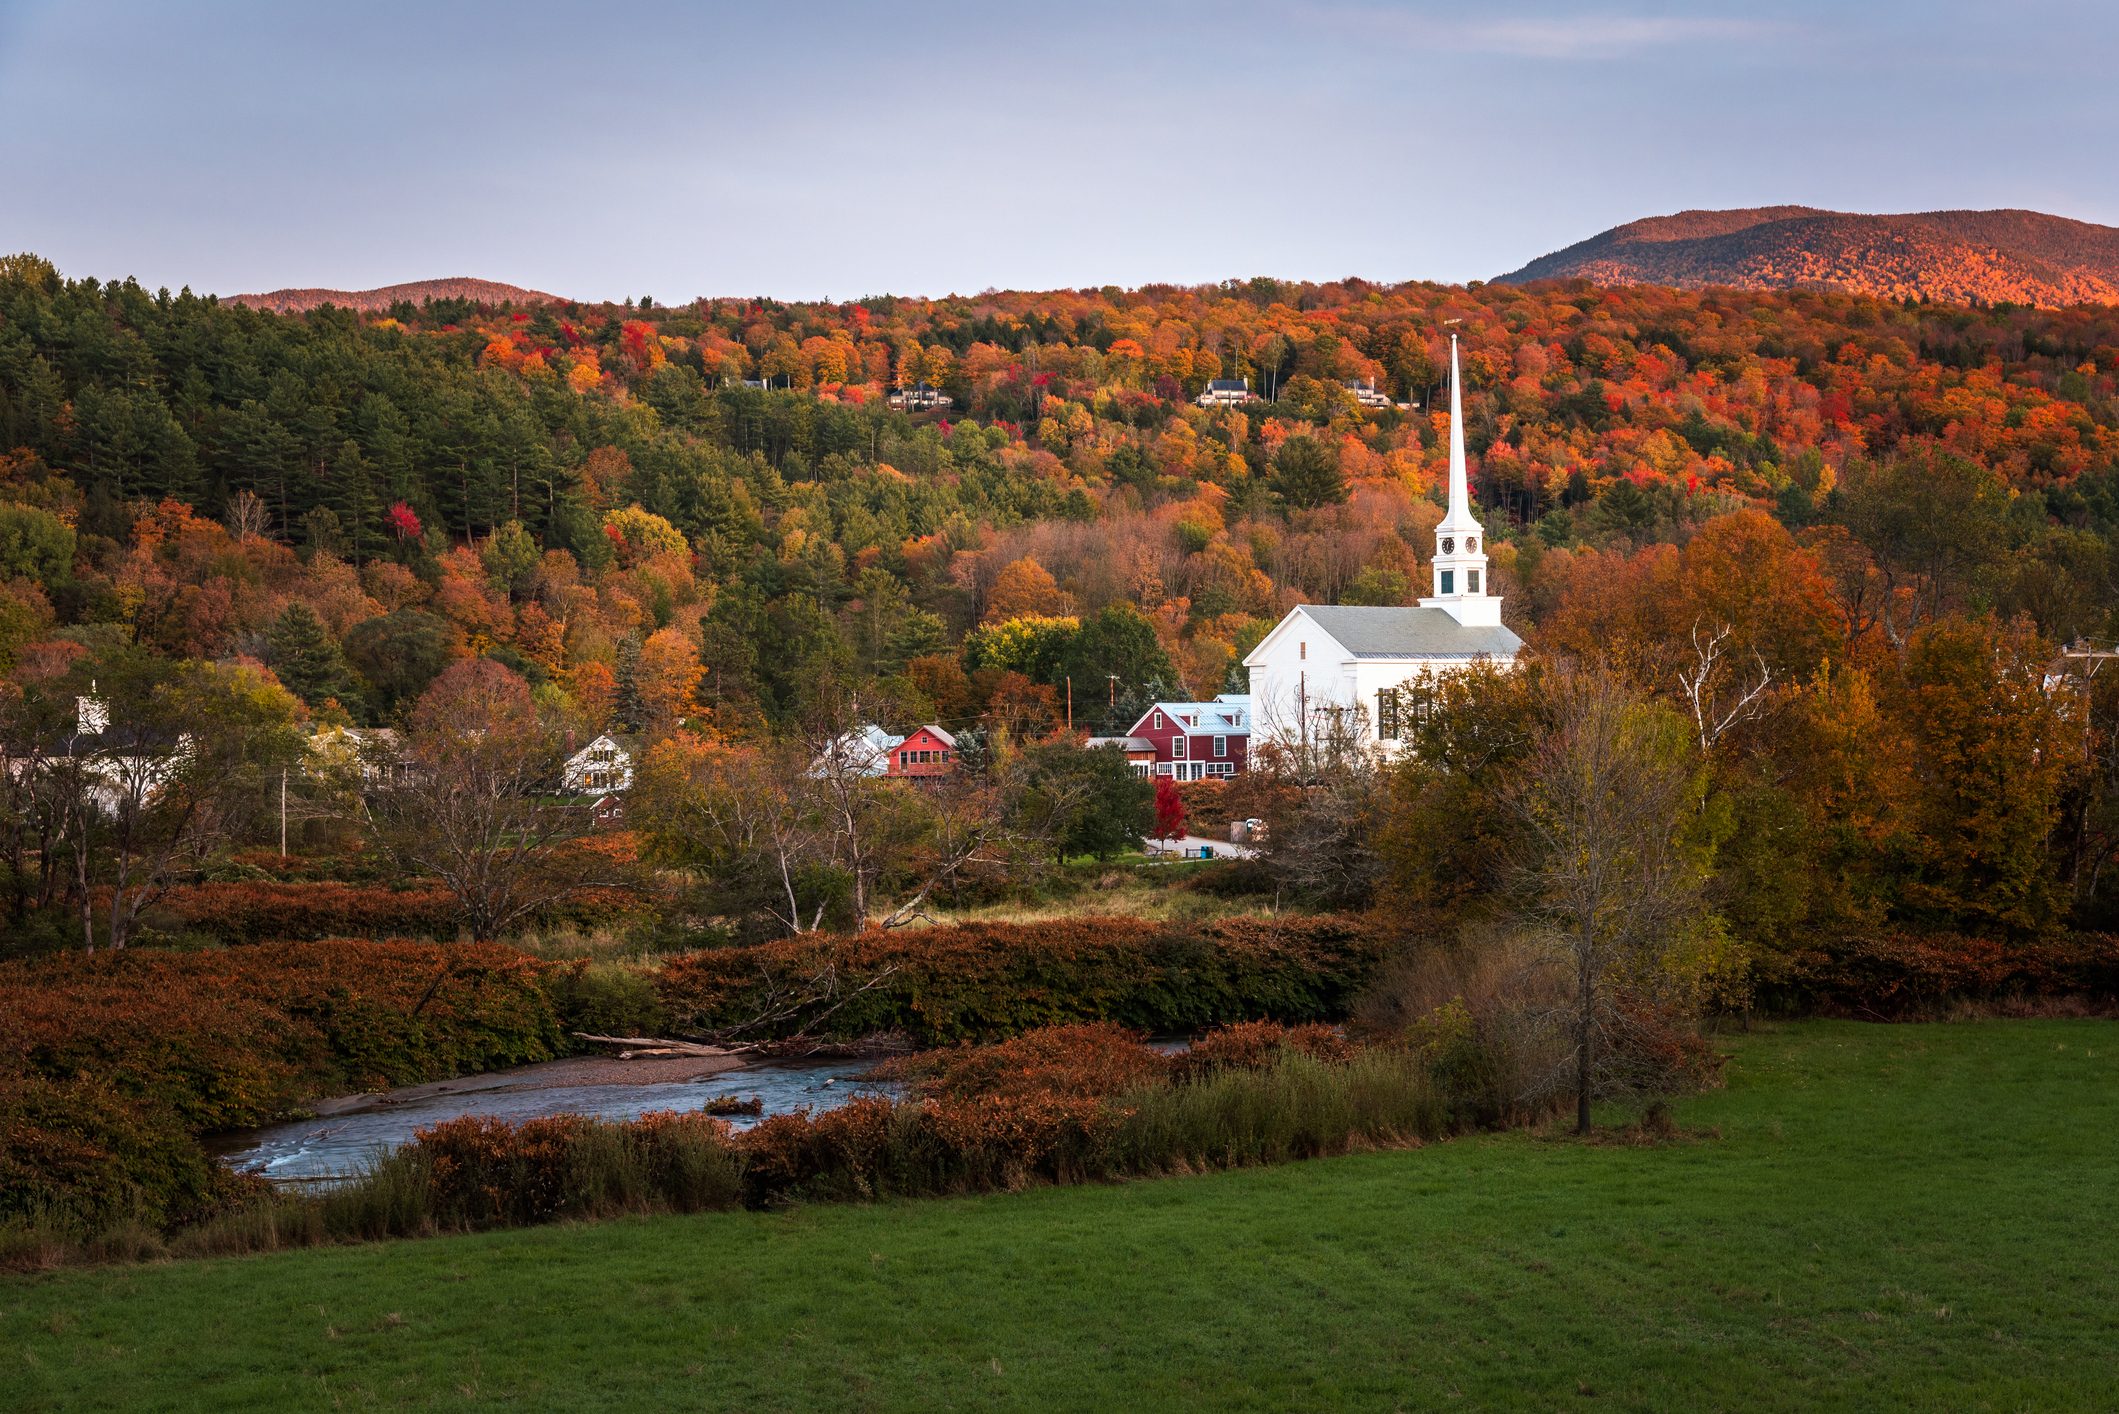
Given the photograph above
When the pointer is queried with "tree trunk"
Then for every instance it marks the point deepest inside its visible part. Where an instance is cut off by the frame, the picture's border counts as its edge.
(1585, 1037)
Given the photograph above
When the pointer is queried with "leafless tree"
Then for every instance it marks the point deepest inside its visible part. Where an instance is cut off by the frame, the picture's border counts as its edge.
(1320, 837)
(248, 515)
(1721, 693)
(470, 797)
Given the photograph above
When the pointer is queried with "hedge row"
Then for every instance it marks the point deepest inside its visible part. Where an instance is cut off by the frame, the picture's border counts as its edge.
(984, 981)
(112, 1066)
(1896, 974)
(302, 911)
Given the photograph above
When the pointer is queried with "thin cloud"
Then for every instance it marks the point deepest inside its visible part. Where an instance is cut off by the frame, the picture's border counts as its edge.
(1600, 36)
(1562, 37)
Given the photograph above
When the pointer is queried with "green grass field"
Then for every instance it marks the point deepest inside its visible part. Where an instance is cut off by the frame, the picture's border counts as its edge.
(1892, 1217)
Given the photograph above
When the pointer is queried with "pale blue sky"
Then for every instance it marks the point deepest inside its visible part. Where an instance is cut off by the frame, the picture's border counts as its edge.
(838, 150)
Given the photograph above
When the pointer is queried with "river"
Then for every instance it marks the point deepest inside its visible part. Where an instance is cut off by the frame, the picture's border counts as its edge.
(341, 1145)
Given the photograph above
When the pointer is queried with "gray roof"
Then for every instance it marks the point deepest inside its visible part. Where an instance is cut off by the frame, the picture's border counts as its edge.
(1370, 632)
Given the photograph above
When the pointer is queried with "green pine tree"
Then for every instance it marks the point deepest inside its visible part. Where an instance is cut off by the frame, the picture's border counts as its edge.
(1307, 475)
(308, 661)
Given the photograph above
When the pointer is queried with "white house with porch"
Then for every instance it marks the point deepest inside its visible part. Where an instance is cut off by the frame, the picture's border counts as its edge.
(1346, 671)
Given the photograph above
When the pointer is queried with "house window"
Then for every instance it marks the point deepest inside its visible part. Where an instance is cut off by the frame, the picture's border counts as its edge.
(1158, 721)
(1387, 714)
(1449, 582)
(1221, 746)
(1302, 651)
(1177, 747)
(1471, 581)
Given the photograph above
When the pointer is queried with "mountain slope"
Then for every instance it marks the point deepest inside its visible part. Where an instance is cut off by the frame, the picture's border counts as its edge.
(2025, 257)
(417, 291)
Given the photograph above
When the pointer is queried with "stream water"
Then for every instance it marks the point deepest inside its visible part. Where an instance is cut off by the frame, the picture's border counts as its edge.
(339, 1146)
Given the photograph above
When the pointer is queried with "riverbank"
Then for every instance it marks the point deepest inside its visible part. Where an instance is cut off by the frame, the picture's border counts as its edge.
(571, 1072)
(1777, 1258)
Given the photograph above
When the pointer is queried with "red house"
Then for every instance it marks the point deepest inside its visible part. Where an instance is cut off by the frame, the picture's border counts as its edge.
(929, 751)
(1193, 741)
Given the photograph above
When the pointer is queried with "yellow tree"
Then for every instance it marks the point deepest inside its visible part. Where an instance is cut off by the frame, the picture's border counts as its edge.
(1026, 588)
(667, 678)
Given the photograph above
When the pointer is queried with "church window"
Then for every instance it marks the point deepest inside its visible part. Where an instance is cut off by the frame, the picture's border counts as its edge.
(1449, 581)
(1302, 650)
(1387, 714)
(1471, 581)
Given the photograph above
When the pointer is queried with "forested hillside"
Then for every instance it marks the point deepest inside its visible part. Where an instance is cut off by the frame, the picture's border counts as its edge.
(1863, 500)
(2025, 257)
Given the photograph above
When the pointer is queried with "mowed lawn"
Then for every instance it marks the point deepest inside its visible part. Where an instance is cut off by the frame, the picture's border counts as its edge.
(1902, 1217)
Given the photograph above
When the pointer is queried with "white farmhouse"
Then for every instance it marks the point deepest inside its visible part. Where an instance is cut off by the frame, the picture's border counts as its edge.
(603, 767)
(1329, 671)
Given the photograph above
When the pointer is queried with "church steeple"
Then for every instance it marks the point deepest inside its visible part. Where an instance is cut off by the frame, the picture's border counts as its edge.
(1460, 560)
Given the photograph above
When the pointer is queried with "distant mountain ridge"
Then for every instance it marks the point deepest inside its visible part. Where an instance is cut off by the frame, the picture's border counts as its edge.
(417, 291)
(2025, 257)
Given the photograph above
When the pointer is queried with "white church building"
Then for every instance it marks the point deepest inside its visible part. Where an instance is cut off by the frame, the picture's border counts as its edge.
(1332, 668)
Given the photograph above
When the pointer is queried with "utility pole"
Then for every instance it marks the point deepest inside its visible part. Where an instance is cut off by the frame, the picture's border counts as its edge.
(1070, 704)
(283, 812)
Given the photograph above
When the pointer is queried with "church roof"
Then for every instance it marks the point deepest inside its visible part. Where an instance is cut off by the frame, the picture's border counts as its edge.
(1387, 632)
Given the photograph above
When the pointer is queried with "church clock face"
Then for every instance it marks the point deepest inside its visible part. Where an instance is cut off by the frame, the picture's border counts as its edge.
(1471, 544)
(1449, 545)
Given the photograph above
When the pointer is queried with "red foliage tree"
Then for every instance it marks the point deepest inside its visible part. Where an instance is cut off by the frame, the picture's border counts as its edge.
(1169, 810)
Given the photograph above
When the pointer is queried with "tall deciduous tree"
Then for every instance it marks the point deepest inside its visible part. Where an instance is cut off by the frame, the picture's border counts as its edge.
(470, 797)
(1604, 866)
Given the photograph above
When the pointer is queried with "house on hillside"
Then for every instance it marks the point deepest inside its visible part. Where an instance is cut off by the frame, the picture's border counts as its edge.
(921, 399)
(1192, 741)
(864, 751)
(926, 753)
(1369, 395)
(1359, 674)
(375, 753)
(1226, 393)
(603, 767)
(124, 766)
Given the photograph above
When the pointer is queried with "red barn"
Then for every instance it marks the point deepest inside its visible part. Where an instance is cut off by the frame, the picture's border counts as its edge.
(929, 751)
(1196, 741)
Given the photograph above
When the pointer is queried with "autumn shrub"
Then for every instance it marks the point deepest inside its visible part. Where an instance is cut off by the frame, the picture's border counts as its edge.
(1091, 1060)
(605, 999)
(1480, 1016)
(1233, 878)
(981, 981)
(1258, 1045)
